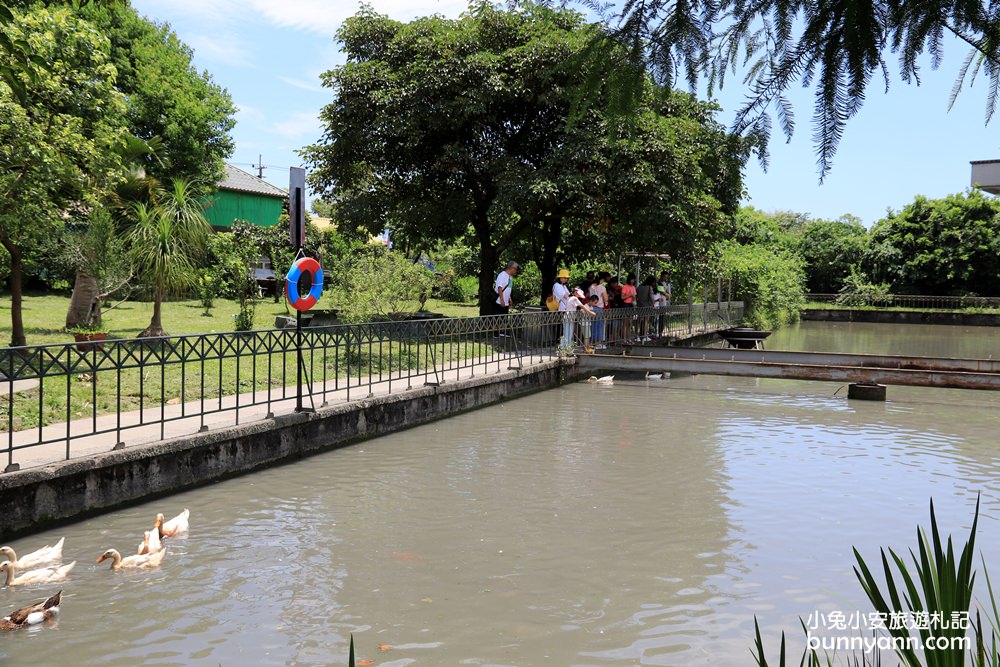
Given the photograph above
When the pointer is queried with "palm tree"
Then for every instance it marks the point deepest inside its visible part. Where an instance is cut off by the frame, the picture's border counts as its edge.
(135, 185)
(168, 237)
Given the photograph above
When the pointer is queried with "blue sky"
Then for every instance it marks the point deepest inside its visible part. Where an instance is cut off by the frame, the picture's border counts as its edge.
(269, 55)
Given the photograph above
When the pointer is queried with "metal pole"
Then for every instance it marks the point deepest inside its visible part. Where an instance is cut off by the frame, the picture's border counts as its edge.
(298, 313)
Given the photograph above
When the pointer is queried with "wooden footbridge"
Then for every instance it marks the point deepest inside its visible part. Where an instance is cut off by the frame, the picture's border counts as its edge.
(864, 369)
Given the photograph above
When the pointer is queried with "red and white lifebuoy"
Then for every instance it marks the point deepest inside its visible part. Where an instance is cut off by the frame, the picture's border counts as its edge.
(304, 265)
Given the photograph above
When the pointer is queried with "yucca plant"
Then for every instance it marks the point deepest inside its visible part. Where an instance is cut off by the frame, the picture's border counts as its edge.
(810, 657)
(987, 654)
(938, 584)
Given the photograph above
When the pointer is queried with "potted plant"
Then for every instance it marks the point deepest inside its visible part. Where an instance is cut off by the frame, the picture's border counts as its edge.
(88, 335)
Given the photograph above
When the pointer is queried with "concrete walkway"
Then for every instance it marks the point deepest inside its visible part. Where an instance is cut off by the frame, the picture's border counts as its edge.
(85, 437)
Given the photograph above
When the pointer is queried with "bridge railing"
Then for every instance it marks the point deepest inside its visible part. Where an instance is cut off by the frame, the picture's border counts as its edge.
(91, 394)
(918, 301)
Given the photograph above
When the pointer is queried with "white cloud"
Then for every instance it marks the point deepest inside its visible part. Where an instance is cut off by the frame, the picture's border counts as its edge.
(325, 17)
(304, 85)
(221, 48)
(248, 113)
(210, 10)
(301, 125)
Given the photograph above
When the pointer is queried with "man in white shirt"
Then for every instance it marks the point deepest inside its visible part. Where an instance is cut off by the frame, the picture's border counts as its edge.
(503, 286)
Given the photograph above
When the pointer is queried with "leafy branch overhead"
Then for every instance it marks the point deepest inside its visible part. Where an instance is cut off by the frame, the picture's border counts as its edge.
(839, 48)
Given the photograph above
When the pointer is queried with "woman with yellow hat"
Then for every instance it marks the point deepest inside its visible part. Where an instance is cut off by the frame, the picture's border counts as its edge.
(561, 293)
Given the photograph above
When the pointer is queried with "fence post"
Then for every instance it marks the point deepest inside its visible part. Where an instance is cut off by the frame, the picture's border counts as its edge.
(690, 306)
(704, 308)
(718, 296)
(729, 301)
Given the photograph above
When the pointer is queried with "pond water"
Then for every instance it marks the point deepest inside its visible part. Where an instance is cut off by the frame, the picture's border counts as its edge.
(645, 523)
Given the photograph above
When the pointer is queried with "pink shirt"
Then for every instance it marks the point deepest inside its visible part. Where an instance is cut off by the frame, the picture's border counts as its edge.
(628, 293)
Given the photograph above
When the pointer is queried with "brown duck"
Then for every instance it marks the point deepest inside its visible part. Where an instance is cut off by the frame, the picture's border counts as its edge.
(32, 614)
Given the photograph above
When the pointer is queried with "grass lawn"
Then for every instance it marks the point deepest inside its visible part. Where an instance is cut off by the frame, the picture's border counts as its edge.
(45, 317)
(102, 391)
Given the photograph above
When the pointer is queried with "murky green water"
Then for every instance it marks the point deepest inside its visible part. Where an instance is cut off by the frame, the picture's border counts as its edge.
(640, 524)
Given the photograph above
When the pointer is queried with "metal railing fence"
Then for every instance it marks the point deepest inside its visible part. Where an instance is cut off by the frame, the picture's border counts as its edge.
(71, 392)
(918, 301)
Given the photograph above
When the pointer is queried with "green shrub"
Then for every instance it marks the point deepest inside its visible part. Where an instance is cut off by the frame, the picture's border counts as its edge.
(858, 291)
(770, 282)
(375, 283)
(458, 289)
(526, 285)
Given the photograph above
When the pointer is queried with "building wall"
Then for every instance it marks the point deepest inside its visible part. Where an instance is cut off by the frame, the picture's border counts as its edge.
(228, 206)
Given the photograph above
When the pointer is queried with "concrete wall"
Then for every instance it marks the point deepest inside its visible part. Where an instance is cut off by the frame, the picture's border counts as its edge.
(35, 498)
(902, 317)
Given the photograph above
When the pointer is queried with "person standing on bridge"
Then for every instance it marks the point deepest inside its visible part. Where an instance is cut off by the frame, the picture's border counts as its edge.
(561, 293)
(628, 302)
(660, 304)
(599, 290)
(665, 283)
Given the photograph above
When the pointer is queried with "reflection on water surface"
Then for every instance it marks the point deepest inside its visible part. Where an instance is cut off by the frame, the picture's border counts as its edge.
(644, 523)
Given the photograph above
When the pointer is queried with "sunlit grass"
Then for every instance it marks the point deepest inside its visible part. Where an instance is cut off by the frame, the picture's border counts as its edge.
(94, 393)
(45, 316)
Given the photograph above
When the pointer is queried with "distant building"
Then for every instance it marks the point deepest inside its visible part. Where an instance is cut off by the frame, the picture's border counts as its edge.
(243, 196)
(986, 174)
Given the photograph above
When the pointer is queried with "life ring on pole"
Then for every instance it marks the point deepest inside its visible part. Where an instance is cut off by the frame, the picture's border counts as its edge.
(304, 265)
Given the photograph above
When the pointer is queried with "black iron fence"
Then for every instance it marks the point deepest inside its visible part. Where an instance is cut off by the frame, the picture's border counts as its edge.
(79, 398)
(917, 301)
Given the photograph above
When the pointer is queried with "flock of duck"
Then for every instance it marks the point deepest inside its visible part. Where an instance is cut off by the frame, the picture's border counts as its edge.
(44, 566)
(610, 379)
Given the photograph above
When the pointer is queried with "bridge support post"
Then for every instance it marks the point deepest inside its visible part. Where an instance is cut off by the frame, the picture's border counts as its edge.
(866, 392)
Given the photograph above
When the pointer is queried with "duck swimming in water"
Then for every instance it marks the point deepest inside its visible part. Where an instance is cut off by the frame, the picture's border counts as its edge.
(145, 561)
(607, 379)
(176, 526)
(150, 542)
(40, 576)
(42, 556)
(32, 614)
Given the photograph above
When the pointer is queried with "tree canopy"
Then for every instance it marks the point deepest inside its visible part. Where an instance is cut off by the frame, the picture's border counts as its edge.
(939, 246)
(56, 142)
(167, 97)
(442, 127)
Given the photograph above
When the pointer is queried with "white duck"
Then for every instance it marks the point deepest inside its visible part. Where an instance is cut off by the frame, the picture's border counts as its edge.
(150, 542)
(42, 556)
(654, 376)
(43, 575)
(176, 526)
(145, 561)
(607, 379)
(32, 614)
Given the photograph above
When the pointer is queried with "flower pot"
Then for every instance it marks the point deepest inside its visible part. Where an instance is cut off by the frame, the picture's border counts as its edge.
(85, 341)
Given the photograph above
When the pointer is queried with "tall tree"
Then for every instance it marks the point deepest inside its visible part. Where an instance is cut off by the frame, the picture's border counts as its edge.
(169, 100)
(439, 126)
(55, 141)
(831, 249)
